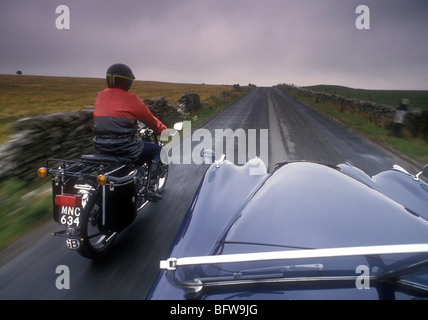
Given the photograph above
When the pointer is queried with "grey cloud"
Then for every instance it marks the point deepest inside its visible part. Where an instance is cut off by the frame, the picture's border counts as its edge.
(234, 41)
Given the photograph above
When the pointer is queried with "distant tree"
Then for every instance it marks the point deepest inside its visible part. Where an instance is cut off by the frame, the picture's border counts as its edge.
(19, 72)
(236, 88)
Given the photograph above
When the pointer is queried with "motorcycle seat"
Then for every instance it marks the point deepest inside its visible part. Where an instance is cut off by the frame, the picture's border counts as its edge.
(117, 161)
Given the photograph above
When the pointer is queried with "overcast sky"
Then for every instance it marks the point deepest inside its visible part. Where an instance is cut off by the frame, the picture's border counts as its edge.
(265, 42)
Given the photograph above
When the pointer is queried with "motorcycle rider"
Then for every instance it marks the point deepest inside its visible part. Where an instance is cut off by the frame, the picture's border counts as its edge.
(115, 122)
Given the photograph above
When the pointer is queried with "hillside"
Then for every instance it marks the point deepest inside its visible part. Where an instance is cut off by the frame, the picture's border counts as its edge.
(418, 98)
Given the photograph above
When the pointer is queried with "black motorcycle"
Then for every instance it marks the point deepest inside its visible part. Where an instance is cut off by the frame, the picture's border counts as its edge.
(98, 196)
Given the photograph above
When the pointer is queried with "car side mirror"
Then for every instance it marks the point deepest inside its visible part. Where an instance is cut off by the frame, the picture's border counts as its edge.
(423, 174)
(208, 156)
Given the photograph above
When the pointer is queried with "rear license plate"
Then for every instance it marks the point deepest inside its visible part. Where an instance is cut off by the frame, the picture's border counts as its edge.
(70, 216)
(70, 209)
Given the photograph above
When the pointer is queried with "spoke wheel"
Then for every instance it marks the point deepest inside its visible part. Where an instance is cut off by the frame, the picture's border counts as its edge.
(163, 178)
(95, 242)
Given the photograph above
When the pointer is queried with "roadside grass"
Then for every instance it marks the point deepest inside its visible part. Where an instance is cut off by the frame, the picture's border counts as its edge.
(414, 148)
(23, 207)
(26, 205)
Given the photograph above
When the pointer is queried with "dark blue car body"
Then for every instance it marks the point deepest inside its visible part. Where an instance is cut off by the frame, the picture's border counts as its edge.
(300, 207)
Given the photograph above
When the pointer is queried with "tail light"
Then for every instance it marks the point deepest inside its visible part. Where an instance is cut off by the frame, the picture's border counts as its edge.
(68, 200)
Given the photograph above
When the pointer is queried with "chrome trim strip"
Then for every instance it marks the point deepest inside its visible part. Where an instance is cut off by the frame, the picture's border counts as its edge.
(173, 263)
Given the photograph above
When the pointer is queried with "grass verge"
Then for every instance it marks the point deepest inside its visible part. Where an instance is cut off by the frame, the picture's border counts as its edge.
(23, 207)
(414, 148)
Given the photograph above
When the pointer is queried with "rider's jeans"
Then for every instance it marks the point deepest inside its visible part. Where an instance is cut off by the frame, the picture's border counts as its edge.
(151, 150)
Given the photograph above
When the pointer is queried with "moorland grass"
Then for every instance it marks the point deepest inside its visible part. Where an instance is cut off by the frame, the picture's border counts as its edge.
(25, 95)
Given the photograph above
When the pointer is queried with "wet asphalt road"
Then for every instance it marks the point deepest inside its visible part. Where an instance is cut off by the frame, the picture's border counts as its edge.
(295, 132)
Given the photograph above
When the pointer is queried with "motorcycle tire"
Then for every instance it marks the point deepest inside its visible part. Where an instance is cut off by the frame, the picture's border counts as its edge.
(95, 242)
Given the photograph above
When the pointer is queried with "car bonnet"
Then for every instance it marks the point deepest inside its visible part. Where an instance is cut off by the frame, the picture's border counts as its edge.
(308, 205)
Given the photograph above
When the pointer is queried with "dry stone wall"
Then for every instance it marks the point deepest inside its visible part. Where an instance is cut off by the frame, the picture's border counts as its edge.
(61, 135)
(66, 135)
(415, 120)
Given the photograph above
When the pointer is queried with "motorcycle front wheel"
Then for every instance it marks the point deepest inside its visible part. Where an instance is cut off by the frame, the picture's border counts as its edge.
(163, 176)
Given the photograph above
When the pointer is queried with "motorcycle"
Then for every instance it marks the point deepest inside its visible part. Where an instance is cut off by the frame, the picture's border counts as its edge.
(98, 196)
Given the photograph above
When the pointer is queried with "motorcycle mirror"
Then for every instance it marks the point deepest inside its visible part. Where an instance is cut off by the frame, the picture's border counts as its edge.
(178, 126)
(171, 132)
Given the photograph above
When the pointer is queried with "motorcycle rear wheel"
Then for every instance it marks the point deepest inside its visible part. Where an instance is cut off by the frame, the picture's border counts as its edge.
(95, 242)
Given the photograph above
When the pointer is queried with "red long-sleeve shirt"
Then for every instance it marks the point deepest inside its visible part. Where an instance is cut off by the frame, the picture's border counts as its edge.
(119, 103)
(115, 121)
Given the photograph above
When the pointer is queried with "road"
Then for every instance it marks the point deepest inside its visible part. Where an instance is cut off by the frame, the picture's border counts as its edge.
(295, 132)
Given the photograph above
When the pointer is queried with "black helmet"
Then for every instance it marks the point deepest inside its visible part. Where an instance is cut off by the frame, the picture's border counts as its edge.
(120, 76)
